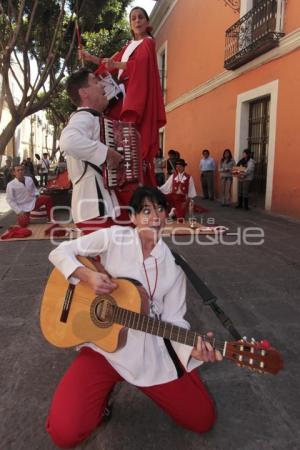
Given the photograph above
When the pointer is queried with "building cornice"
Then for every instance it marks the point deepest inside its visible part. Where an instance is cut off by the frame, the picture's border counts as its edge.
(287, 44)
(160, 13)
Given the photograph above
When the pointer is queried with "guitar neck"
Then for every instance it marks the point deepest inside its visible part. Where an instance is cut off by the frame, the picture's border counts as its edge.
(142, 322)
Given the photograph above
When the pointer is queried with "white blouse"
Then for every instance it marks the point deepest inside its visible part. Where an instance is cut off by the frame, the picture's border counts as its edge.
(128, 52)
(180, 177)
(144, 360)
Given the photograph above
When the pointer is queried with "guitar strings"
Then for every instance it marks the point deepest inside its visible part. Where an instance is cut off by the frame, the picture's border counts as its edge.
(216, 344)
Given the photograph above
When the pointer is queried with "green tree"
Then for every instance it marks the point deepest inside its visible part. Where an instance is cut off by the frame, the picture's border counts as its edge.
(38, 48)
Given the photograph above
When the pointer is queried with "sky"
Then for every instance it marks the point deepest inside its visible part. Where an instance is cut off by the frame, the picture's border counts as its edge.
(146, 4)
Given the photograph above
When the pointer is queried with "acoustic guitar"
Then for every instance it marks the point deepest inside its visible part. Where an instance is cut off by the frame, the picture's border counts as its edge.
(71, 315)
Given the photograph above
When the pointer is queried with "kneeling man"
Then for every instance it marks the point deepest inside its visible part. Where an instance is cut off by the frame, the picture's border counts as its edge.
(23, 197)
(179, 189)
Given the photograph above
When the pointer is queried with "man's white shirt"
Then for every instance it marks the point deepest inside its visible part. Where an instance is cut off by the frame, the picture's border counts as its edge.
(80, 141)
(20, 197)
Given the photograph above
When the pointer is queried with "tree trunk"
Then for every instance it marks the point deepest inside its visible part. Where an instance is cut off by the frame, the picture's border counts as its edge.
(54, 139)
(2, 95)
(7, 134)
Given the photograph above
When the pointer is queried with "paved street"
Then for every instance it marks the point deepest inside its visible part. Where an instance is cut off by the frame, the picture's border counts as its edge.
(258, 287)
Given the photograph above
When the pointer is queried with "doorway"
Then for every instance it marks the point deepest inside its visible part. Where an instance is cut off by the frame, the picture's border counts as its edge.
(258, 143)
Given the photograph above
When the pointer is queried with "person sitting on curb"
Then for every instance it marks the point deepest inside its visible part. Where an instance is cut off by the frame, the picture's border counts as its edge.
(23, 197)
(179, 188)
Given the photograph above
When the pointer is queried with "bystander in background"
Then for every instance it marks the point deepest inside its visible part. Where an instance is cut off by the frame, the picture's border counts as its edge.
(207, 169)
(8, 172)
(159, 165)
(245, 174)
(44, 170)
(29, 170)
(61, 165)
(173, 155)
(226, 165)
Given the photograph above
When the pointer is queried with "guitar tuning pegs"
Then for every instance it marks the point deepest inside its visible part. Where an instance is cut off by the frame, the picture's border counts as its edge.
(265, 344)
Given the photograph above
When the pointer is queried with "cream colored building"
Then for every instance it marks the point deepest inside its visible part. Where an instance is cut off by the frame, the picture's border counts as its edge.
(33, 135)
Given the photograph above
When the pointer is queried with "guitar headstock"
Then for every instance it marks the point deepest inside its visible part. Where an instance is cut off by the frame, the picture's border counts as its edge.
(257, 356)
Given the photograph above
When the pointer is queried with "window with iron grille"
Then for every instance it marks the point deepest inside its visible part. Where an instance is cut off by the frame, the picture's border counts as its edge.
(258, 141)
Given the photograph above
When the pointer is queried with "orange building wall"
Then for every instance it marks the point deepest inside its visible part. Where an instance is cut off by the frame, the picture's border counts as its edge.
(197, 30)
(292, 17)
(209, 120)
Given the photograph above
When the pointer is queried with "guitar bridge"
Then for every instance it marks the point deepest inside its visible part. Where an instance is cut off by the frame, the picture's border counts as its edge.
(67, 303)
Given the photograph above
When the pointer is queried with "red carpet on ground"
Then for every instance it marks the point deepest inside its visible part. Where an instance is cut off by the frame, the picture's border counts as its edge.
(16, 232)
(199, 209)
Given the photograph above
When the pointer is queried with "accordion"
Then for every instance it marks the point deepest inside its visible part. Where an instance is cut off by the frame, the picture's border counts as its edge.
(124, 138)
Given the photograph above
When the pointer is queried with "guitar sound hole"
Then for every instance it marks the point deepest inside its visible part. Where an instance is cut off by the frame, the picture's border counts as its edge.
(98, 311)
(102, 310)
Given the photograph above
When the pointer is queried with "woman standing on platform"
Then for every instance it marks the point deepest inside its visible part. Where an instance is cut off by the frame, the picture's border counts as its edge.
(136, 68)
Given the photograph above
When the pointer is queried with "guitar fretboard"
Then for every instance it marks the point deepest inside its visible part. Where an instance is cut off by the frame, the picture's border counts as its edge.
(149, 325)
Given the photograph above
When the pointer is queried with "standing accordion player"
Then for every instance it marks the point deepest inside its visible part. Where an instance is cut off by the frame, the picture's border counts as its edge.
(125, 139)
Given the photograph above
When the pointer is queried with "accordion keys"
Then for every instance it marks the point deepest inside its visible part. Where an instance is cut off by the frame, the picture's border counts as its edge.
(123, 138)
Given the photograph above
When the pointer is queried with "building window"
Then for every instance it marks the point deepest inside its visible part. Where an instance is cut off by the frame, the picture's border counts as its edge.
(163, 70)
(247, 5)
(258, 141)
(162, 67)
(161, 139)
(258, 31)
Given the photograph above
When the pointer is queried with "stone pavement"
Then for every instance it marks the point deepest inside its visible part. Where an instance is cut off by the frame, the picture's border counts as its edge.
(257, 286)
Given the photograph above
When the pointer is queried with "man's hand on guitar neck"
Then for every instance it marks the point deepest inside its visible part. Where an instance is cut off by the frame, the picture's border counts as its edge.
(113, 158)
(204, 351)
(99, 282)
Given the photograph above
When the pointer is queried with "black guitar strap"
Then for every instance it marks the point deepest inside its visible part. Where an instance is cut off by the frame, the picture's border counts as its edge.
(209, 299)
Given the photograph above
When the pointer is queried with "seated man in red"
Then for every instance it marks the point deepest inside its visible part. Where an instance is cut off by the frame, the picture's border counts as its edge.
(179, 188)
(23, 197)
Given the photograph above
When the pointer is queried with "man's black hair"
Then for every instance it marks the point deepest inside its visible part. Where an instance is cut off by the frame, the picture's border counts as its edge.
(76, 81)
(150, 193)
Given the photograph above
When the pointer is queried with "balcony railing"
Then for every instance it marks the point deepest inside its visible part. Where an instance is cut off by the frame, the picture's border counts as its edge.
(255, 33)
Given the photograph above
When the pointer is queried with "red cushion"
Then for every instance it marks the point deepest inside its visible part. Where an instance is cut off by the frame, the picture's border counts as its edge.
(16, 232)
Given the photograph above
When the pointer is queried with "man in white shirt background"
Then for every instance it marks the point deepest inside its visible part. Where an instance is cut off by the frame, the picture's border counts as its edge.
(44, 170)
(207, 169)
(23, 197)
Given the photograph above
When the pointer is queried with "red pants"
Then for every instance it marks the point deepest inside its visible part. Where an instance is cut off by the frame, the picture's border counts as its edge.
(180, 203)
(81, 396)
(42, 200)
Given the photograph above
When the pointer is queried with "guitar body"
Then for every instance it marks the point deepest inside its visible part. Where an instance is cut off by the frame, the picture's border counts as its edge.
(72, 315)
(80, 327)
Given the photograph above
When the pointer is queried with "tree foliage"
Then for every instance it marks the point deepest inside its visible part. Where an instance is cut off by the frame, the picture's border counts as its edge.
(38, 48)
